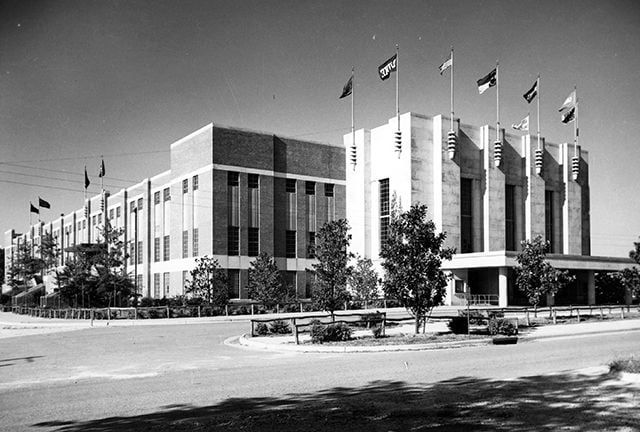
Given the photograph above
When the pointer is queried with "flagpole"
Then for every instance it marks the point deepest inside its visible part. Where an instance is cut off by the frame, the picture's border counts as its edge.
(497, 102)
(575, 126)
(451, 87)
(353, 92)
(397, 84)
(538, 115)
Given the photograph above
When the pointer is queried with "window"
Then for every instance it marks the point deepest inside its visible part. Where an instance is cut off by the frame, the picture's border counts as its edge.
(310, 188)
(93, 220)
(156, 285)
(253, 181)
(139, 204)
(194, 182)
(233, 240)
(548, 219)
(132, 252)
(290, 186)
(156, 197)
(292, 205)
(384, 212)
(111, 214)
(156, 249)
(233, 178)
(466, 215)
(132, 206)
(118, 212)
(166, 282)
(311, 244)
(254, 241)
(185, 186)
(84, 224)
(139, 284)
(328, 190)
(195, 242)
(166, 194)
(185, 278)
(509, 218)
(139, 252)
(167, 248)
(79, 225)
(290, 281)
(234, 283)
(185, 244)
(290, 244)
(99, 218)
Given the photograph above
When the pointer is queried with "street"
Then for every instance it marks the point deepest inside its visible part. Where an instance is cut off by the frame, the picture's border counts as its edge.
(180, 377)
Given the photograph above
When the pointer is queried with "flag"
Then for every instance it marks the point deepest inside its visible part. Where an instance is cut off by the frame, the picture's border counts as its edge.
(569, 102)
(523, 125)
(487, 81)
(532, 93)
(385, 69)
(348, 88)
(86, 178)
(569, 115)
(101, 170)
(43, 204)
(446, 65)
(33, 209)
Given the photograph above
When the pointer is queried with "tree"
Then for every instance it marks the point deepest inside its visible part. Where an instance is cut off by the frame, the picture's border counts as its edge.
(413, 255)
(610, 288)
(25, 265)
(364, 280)
(534, 275)
(209, 281)
(333, 269)
(49, 251)
(265, 282)
(635, 253)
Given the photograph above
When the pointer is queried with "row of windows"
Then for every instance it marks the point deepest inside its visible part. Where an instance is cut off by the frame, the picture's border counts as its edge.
(309, 187)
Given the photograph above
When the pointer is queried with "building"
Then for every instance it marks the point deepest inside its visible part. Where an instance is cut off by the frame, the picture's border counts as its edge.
(229, 194)
(486, 197)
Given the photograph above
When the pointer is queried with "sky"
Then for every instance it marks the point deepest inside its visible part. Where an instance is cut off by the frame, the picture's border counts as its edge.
(122, 80)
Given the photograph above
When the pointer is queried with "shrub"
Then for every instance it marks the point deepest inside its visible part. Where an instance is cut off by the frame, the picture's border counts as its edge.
(261, 329)
(631, 365)
(377, 332)
(458, 325)
(501, 326)
(318, 332)
(475, 317)
(280, 327)
(321, 333)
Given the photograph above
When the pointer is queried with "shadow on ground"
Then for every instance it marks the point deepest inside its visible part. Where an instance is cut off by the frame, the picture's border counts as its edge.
(548, 402)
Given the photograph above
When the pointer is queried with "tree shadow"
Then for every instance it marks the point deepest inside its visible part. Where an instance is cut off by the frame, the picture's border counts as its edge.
(546, 402)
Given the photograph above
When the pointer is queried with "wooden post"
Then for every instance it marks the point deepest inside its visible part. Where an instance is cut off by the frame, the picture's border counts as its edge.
(277, 308)
(295, 332)
(601, 314)
(198, 311)
(301, 310)
(135, 313)
(578, 313)
(226, 310)
(622, 312)
(252, 313)
(528, 320)
(554, 315)
(252, 325)
(384, 323)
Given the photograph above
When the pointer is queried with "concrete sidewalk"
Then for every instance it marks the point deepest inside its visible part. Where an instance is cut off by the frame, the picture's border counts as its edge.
(287, 343)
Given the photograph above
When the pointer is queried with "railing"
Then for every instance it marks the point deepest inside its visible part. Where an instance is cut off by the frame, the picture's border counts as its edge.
(484, 299)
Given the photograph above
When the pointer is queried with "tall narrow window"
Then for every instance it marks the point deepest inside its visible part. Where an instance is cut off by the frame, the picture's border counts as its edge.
(330, 201)
(140, 283)
(195, 242)
(234, 283)
(253, 183)
(166, 194)
(166, 281)
(185, 186)
(156, 198)
(548, 219)
(384, 211)
(510, 218)
(167, 248)
(290, 244)
(233, 205)
(185, 244)
(254, 241)
(140, 254)
(195, 182)
(292, 222)
(466, 215)
(156, 285)
(311, 244)
(156, 249)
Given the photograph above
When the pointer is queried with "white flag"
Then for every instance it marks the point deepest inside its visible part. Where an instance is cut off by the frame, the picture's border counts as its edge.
(523, 125)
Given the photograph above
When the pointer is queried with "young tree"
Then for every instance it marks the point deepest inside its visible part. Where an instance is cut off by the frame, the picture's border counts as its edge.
(364, 280)
(49, 251)
(24, 266)
(265, 282)
(534, 275)
(413, 256)
(333, 269)
(209, 281)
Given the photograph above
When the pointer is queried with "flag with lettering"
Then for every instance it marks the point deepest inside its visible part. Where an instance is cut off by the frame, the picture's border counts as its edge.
(385, 69)
(487, 81)
(532, 93)
(43, 204)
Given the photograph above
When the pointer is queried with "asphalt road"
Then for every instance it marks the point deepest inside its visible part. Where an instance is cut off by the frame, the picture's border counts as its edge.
(128, 377)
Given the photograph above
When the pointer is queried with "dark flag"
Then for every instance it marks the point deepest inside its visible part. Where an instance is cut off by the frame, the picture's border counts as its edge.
(385, 69)
(569, 115)
(101, 170)
(487, 81)
(532, 93)
(86, 178)
(348, 88)
(43, 204)
(33, 209)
